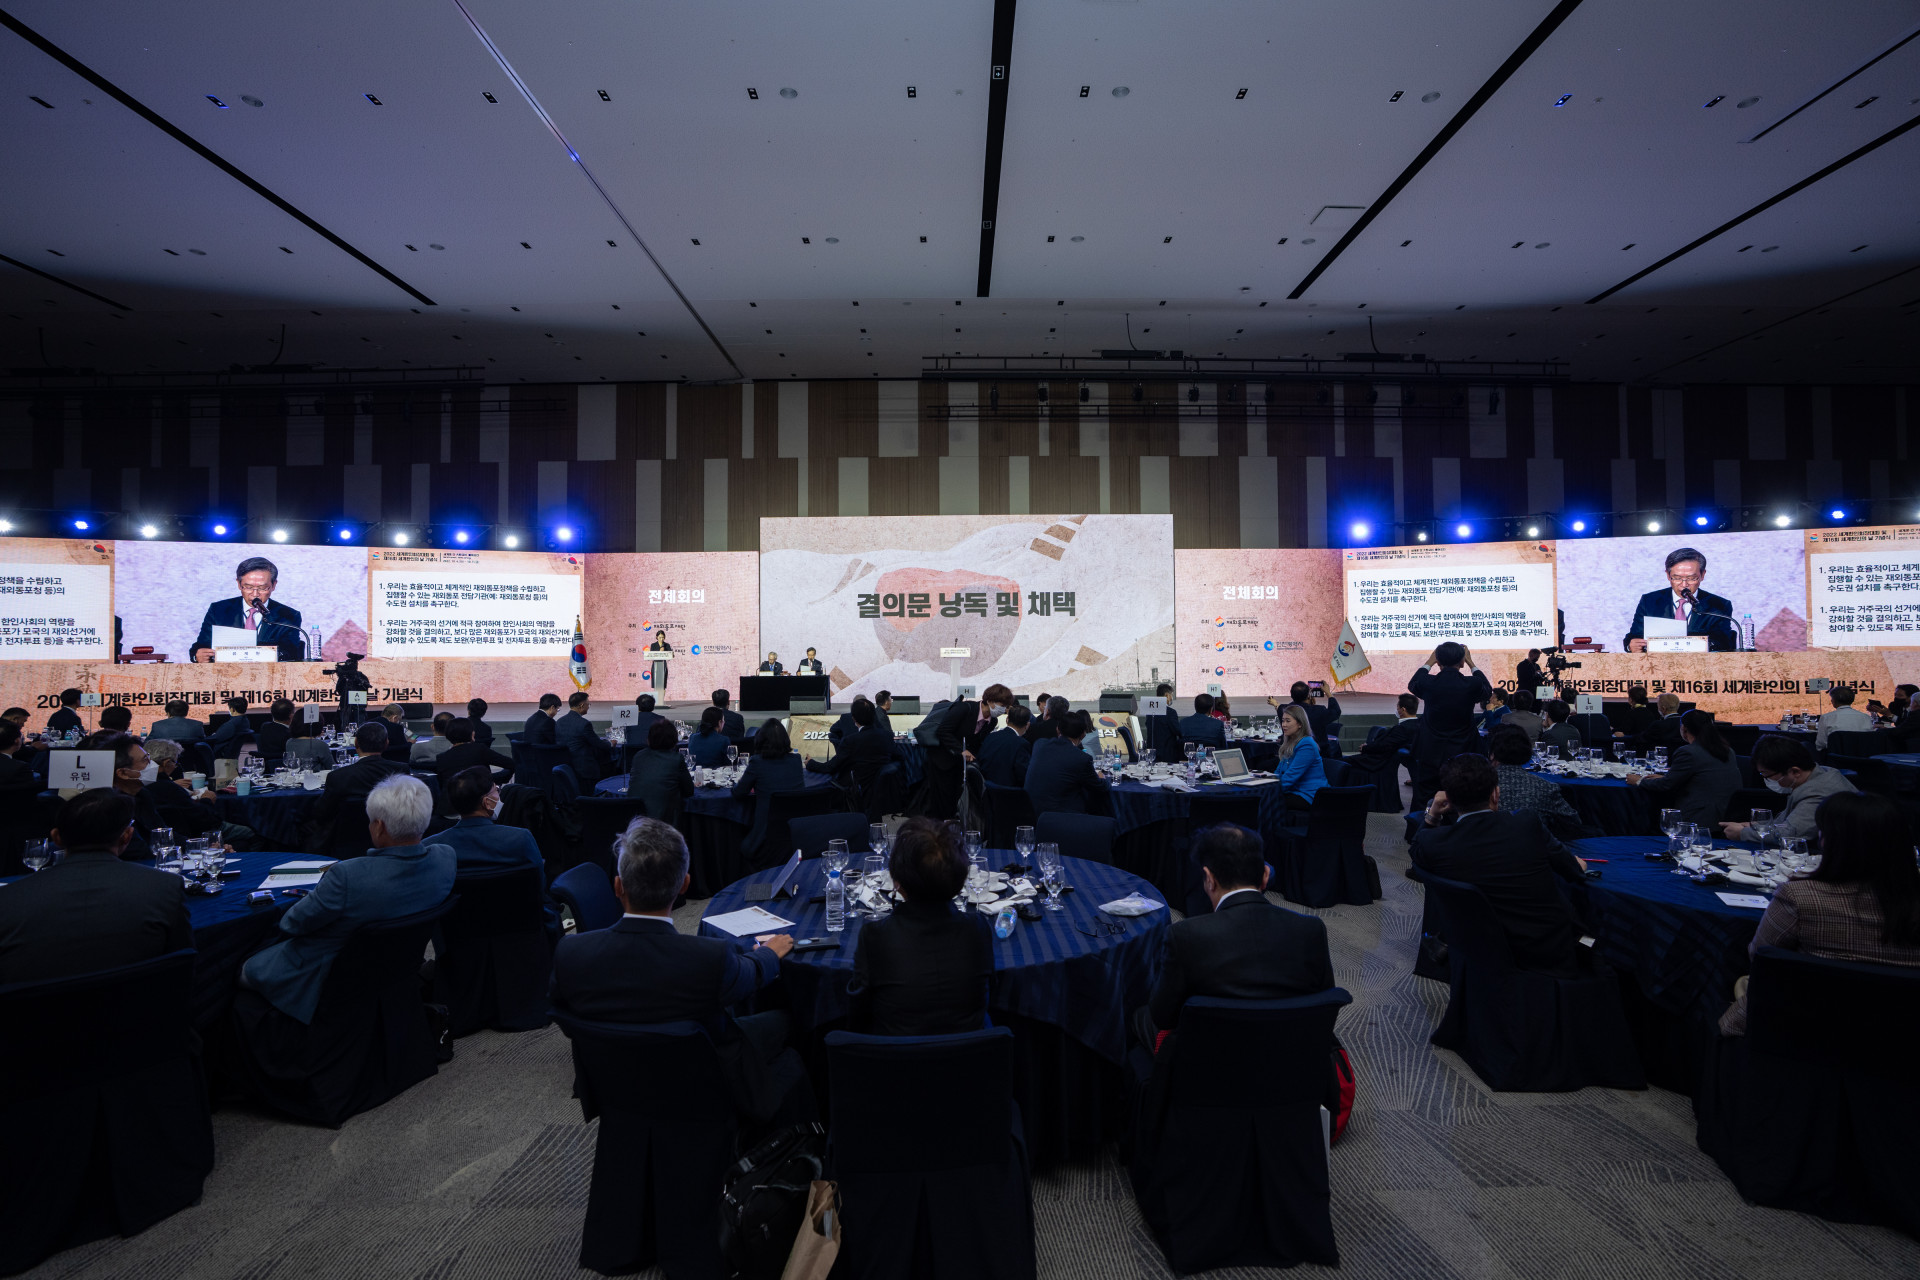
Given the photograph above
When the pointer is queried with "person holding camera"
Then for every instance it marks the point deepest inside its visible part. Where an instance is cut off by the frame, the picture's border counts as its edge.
(1450, 688)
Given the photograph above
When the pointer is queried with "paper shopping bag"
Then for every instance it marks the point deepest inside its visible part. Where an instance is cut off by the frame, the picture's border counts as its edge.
(818, 1243)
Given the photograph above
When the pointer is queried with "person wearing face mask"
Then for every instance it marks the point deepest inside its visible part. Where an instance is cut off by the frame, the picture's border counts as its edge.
(963, 728)
(481, 844)
(1786, 766)
(132, 770)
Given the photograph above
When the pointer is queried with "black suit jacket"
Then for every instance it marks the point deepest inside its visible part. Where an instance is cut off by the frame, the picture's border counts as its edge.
(1511, 858)
(922, 971)
(1402, 736)
(176, 808)
(1245, 949)
(539, 731)
(586, 751)
(1446, 713)
(960, 730)
(861, 755)
(1005, 757)
(642, 725)
(733, 724)
(1060, 779)
(1039, 729)
(762, 778)
(772, 669)
(65, 720)
(88, 912)
(350, 782)
(482, 731)
(1712, 617)
(19, 784)
(1696, 784)
(1163, 737)
(1664, 731)
(660, 781)
(270, 740)
(646, 971)
(1320, 719)
(1206, 731)
(465, 755)
(1528, 676)
(280, 628)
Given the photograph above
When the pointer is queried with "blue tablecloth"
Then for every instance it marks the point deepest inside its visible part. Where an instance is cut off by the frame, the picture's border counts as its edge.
(276, 815)
(1050, 972)
(1903, 768)
(707, 802)
(1611, 805)
(1135, 804)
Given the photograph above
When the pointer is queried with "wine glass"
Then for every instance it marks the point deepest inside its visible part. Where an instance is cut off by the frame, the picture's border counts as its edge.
(1192, 750)
(877, 837)
(1048, 857)
(158, 837)
(733, 755)
(1670, 821)
(837, 856)
(974, 843)
(37, 854)
(1023, 844)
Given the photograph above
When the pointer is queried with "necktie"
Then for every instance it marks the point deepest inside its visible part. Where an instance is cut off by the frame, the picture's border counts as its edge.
(1680, 610)
(253, 618)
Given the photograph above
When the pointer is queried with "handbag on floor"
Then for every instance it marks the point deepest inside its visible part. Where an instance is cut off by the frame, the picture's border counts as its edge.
(766, 1201)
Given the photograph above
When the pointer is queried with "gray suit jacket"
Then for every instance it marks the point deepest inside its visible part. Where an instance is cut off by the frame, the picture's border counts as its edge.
(180, 730)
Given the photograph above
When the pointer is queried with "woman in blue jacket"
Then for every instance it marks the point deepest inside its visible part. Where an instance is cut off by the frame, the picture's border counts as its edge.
(1299, 768)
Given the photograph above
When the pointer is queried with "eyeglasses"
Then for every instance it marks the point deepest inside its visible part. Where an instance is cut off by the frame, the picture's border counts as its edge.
(1113, 928)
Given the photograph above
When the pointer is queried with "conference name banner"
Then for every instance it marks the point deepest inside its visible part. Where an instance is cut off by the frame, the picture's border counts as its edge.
(1492, 595)
(56, 598)
(705, 604)
(473, 604)
(1254, 621)
(1863, 587)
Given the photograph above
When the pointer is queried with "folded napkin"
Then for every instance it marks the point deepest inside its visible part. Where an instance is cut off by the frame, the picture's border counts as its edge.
(1134, 904)
(1742, 877)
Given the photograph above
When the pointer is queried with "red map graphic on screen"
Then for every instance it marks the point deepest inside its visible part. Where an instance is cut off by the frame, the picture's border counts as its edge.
(921, 639)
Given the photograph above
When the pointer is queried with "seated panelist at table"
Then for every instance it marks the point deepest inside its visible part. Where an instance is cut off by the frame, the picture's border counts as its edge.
(772, 667)
(809, 665)
(1682, 600)
(924, 969)
(255, 610)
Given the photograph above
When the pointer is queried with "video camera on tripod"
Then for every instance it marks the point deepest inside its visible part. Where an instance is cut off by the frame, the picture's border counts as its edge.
(347, 678)
(1557, 662)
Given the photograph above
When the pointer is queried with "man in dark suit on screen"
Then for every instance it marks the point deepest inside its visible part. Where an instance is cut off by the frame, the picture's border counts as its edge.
(254, 609)
(1682, 600)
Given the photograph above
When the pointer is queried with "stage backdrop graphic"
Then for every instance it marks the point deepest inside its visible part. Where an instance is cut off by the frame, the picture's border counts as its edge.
(162, 591)
(1069, 604)
(473, 604)
(56, 599)
(1863, 587)
(707, 603)
(1762, 574)
(1253, 622)
(1487, 595)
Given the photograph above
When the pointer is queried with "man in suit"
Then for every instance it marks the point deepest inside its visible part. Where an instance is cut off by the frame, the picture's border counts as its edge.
(1201, 727)
(1246, 948)
(481, 844)
(1509, 857)
(92, 910)
(661, 646)
(644, 970)
(434, 745)
(1528, 675)
(118, 719)
(883, 703)
(731, 722)
(845, 727)
(1449, 689)
(67, 718)
(1005, 754)
(809, 665)
(233, 731)
(1663, 732)
(464, 753)
(1319, 719)
(132, 769)
(255, 610)
(399, 877)
(18, 782)
(1523, 717)
(1163, 732)
(270, 739)
(175, 805)
(177, 726)
(1844, 718)
(586, 752)
(772, 667)
(1060, 777)
(644, 717)
(1380, 757)
(539, 730)
(958, 736)
(861, 755)
(477, 721)
(1682, 600)
(353, 782)
(925, 969)
(1560, 734)
(1047, 712)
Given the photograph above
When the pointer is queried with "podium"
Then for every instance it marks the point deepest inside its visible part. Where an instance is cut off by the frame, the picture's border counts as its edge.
(660, 658)
(958, 655)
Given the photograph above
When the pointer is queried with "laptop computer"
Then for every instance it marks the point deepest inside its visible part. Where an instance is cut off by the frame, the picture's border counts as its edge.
(778, 885)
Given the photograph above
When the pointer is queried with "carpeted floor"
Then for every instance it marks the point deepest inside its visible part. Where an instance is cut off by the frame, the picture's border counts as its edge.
(483, 1172)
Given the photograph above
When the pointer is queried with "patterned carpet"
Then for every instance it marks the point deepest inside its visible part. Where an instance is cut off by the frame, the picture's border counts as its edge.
(483, 1172)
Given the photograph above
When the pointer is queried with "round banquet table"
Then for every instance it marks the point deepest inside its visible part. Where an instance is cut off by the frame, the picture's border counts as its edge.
(714, 823)
(1678, 942)
(1611, 805)
(1065, 986)
(277, 814)
(1147, 820)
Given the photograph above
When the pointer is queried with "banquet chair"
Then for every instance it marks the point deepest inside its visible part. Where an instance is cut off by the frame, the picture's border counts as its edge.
(1596, 732)
(1521, 1030)
(103, 1105)
(369, 1039)
(1844, 747)
(1008, 808)
(1208, 809)
(349, 837)
(776, 842)
(1815, 1109)
(492, 956)
(888, 793)
(925, 1144)
(587, 891)
(810, 835)
(1079, 835)
(1236, 1177)
(1330, 748)
(1126, 737)
(657, 1170)
(602, 819)
(1326, 862)
(1337, 770)
(533, 764)
(564, 788)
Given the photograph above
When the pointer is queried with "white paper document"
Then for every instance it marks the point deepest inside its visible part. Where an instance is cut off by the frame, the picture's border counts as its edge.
(295, 875)
(234, 638)
(1754, 900)
(749, 921)
(1653, 628)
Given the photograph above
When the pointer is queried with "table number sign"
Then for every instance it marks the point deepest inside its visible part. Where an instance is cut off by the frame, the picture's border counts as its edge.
(79, 770)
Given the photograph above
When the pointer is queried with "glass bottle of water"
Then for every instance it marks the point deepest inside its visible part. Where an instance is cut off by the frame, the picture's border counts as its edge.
(836, 901)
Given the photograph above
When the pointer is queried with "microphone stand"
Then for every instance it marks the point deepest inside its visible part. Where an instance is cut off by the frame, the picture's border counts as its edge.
(1694, 611)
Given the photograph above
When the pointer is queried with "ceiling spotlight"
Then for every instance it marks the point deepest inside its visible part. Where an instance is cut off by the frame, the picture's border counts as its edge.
(511, 541)
(460, 535)
(1533, 531)
(6, 526)
(1701, 521)
(1462, 530)
(1836, 514)
(346, 535)
(279, 535)
(219, 531)
(563, 534)
(1782, 521)
(81, 525)
(148, 531)
(1361, 531)
(1421, 536)
(1579, 526)
(1653, 526)
(400, 539)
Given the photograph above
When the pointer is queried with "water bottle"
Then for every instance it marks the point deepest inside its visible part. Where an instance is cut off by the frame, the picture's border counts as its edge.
(836, 901)
(1746, 632)
(1004, 922)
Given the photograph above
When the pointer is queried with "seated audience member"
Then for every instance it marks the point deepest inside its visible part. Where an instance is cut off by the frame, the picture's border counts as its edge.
(400, 876)
(19, 715)
(1559, 734)
(1862, 904)
(644, 970)
(1163, 732)
(1906, 731)
(428, 749)
(1299, 767)
(1844, 718)
(116, 719)
(1497, 709)
(1320, 719)
(1221, 711)
(233, 731)
(1246, 948)
(1641, 715)
(312, 753)
(353, 782)
(91, 910)
(1005, 753)
(643, 720)
(1902, 704)
(177, 726)
(1523, 716)
(67, 718)
(464, 753)
(1701, 776)
(1060, 776)
(775, 767)
(1662, 731)
(395, 718)
(539, 730)
(1524, 792)
(586, 750)
(1201, 727)
(657, 776)
(131, 767)
(844, 726)
(477, 719)
(270, 739)
(174, 804)
(923, 970)
(731, 722)
(862, 754)
(1786, 766)
(481, 844)
(1046, 719)
(1383, 751)
(1509, 857)
(882, 704)
(708, 745)
(18, 782)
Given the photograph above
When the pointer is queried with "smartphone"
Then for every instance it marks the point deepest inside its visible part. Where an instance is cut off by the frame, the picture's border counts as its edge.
(815, 944)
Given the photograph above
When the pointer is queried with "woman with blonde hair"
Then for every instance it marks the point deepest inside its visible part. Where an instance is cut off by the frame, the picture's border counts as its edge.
(1299, 768)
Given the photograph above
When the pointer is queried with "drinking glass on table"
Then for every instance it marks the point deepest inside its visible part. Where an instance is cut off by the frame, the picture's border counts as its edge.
(1048, 857)
(877, 837)
(1192, 750)
(1669, 821)
(871, 872)
(733, 754)
(1023, 844)
(38, 854)
(837, 854)
(159, 836)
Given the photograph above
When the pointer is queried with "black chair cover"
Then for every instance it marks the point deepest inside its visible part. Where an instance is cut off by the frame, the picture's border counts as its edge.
(1815, 1108)
(657, 1169)
(781, 807)
(349, 837)
(925, 1144)
(533, 765)
(1079, 835)
(1518, 1029)
(1339, 772)
(602, 820)
(1326, 862)
(369, 1040)
(565, 785)
(1007, 808)
(1237, 1177)
(1205, 810)
(103, 1107)
(889, 792)
(492, 957)
(810, 835)
(588, 892)
(1844, 746)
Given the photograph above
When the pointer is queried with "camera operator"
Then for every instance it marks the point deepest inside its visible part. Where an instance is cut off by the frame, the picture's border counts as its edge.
(1528, 676)
(347, 678)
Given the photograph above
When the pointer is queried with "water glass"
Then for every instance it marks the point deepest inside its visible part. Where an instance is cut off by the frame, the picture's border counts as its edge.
(1048, 857)
(974, 843)
(877, 837)
(38, 854)
(160, 836)
(1023, 844)
(1760, 816)
(1192, 750)
(837, 857)
(1669, 821)
(733, 754)
(871, 872)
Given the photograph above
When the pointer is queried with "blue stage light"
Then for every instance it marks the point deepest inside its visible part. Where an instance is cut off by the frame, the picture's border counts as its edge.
(219, 531)
(563, 534)
(1579, 526)
(1463, 531)
(1837, 514)
(460, 535)
(1702, 521)
(346, 535)
(82, 525)
(1361, 531)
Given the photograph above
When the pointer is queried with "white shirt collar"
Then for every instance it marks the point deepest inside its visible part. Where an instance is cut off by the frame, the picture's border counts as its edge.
(641, 915)
(1234, 894)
